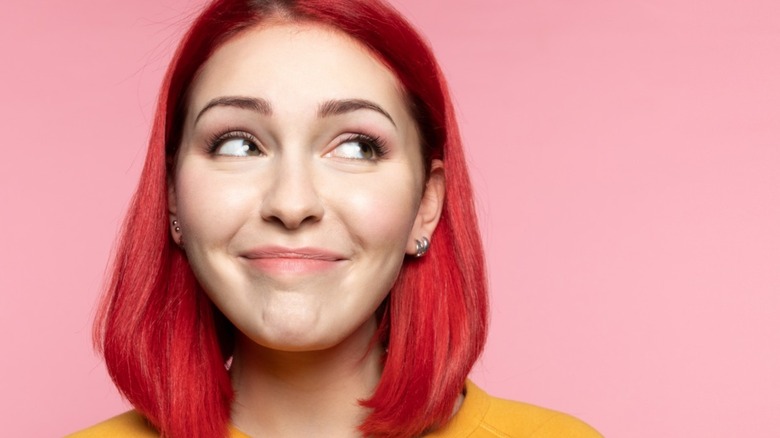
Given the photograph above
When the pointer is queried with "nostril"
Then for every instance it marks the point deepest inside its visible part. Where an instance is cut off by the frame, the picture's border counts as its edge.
(291, 220)
(292, 201)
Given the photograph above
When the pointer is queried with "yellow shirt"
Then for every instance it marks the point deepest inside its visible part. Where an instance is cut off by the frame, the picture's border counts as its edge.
(480, 416)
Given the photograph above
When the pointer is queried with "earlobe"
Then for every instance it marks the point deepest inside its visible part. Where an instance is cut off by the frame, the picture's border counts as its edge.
(429, 213)
(173, 221)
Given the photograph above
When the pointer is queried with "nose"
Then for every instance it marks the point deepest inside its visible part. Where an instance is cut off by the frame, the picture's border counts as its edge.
(292, 198)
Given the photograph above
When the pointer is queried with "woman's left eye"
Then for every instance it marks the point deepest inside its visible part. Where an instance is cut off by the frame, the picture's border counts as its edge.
(359, 147)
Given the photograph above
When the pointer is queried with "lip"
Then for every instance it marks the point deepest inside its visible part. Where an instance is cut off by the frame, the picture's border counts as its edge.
(283, 260)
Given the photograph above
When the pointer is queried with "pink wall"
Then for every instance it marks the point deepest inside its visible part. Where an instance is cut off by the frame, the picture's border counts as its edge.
(627, 158)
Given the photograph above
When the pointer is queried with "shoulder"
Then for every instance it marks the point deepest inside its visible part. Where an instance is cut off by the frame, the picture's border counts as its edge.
(506, 418)
(129, 424)
(483, 416)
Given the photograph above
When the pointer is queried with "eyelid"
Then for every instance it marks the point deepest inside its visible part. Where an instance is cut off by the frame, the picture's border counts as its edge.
(377, 144)
(218, 139)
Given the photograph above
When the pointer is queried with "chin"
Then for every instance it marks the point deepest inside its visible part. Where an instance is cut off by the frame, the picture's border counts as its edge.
(295, 335)
(289, 334)
(295, 341)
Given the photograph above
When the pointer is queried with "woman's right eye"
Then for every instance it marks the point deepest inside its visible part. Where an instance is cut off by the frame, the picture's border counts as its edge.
(235, 146)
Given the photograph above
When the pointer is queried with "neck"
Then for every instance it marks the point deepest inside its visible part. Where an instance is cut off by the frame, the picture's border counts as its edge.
(311, 393)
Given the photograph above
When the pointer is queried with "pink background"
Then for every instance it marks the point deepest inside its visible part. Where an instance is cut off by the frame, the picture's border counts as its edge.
(626, 157)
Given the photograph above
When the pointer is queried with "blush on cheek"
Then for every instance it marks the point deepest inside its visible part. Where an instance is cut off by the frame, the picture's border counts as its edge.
(384, 215)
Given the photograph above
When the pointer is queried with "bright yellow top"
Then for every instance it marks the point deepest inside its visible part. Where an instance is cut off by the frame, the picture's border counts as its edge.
(480, 416)
(483, 416)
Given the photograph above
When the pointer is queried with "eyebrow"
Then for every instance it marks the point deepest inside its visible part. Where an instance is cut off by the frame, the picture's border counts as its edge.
(336, 107)
(328, 108)
(261, 106)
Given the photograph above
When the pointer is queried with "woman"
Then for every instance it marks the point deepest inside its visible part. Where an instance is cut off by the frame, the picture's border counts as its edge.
(290, 264)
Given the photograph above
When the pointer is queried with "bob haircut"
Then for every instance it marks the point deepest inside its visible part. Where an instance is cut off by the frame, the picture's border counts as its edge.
(166, 345)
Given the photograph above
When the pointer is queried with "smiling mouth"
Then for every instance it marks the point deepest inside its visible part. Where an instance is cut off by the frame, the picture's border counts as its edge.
(276, 260)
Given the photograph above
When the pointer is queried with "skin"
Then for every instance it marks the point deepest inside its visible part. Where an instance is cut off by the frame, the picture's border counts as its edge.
(302, 358)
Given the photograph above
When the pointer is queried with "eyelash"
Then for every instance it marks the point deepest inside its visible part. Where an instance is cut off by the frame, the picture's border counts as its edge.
(377, 144)
(216, 140)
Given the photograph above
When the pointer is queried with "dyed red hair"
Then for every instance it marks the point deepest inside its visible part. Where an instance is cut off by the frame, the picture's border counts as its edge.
(164, 342)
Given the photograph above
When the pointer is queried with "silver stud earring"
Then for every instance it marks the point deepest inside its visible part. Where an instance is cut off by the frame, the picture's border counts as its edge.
(423, 245)
(175, 224)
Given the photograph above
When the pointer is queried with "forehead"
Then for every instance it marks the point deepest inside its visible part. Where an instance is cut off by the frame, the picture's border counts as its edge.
(294, 65)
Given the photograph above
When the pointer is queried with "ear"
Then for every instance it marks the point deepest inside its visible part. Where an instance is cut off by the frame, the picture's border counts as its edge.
(174, 227)
(430, 209)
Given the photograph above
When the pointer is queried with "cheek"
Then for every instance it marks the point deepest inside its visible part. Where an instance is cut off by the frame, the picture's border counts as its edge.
(211, 209)
(381, 213)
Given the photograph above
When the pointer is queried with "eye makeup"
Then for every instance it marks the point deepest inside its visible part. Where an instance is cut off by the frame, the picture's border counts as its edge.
(219, 139)
(372, 147)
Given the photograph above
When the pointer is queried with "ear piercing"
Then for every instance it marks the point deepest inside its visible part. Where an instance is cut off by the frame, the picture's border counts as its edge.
(177, 229)
(423, 245)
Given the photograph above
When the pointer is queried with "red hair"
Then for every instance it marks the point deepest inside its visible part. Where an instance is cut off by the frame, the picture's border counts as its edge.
(164, 342)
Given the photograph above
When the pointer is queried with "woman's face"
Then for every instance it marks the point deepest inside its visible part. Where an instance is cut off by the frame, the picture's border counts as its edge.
(299, 185)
